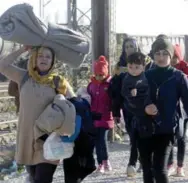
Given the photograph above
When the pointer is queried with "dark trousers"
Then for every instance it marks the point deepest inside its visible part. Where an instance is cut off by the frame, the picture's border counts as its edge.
(128, 122)
(82, 162)
(133, 158)
(101, 144)
(181, 145)
(134, 154)
(76, 169)
(41, 173)
(154, 153)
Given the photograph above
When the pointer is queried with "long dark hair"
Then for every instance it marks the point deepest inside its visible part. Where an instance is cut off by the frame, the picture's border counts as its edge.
(123, 56)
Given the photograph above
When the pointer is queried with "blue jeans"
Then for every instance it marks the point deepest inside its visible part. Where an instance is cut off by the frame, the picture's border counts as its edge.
(101, 145)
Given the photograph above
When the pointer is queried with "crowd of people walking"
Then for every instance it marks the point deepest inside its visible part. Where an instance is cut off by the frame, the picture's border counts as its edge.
(149, 90)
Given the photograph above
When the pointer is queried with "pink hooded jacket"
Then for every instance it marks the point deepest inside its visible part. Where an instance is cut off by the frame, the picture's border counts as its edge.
(101, 102)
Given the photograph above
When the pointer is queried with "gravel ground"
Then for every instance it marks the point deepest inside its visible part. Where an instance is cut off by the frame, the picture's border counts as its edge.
(7, 116)
(119, 154)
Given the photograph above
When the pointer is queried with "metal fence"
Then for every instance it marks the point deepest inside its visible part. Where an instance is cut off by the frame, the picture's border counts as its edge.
(146, 41)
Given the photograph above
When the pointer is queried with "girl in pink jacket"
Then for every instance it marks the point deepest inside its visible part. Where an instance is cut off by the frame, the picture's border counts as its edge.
(101, 108)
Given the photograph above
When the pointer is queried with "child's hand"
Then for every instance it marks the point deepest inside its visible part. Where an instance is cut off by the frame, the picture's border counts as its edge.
(151, 109)
(134, 92)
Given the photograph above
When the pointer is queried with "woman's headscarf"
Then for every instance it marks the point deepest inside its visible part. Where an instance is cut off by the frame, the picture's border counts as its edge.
(50, 77)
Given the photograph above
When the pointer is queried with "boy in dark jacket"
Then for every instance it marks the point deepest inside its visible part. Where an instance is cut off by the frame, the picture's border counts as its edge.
(135, 95)
(167, 87)
(135, 90)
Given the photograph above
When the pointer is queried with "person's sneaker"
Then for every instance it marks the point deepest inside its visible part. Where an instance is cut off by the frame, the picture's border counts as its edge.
(131, 171)
(107, 165)
(139, 169)
(180, 172)
(100, 168)
(171, 170)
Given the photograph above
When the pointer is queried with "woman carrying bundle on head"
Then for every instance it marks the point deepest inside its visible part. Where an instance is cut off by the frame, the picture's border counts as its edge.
(37, 91)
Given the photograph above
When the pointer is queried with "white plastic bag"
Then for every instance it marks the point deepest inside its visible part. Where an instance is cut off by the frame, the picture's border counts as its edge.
(55, 149)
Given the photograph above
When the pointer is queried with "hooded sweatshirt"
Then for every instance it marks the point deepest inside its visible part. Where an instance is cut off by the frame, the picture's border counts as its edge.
(100, 100)
(181, 65)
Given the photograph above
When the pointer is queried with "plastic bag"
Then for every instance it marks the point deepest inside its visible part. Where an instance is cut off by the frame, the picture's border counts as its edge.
(55, 149)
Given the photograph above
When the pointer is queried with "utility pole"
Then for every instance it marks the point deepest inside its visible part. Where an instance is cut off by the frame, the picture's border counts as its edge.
(100, 28)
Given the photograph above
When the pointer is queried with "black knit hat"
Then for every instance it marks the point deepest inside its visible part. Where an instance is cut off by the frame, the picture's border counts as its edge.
(162, 36)
(163, 44)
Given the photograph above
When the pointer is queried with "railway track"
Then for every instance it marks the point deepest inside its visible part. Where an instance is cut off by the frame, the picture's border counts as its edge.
(8, 119)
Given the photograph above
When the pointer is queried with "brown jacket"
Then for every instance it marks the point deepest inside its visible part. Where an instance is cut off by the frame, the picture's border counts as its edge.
(34, 98)
(13, 89)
